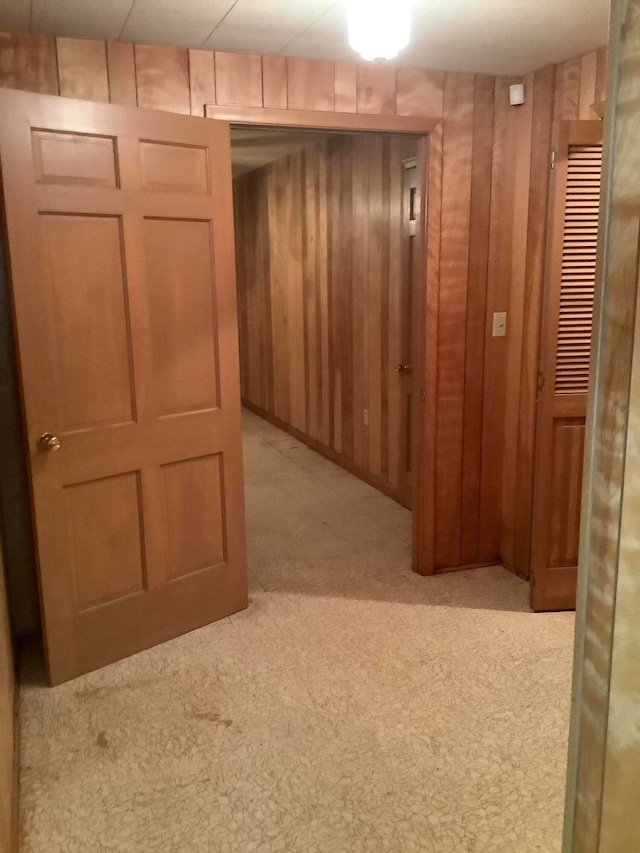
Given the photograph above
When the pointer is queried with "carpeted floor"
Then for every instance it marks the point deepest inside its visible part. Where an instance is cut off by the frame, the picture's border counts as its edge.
(353, 707)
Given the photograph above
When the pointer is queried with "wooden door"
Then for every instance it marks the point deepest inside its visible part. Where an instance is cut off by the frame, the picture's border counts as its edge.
(120, 236)
(565, 350)
(410, 211)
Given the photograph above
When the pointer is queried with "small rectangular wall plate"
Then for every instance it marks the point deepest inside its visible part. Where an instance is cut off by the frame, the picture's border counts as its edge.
(499, 324)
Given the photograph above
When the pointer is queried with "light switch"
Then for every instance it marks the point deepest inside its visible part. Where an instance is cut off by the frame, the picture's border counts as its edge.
(499, 324)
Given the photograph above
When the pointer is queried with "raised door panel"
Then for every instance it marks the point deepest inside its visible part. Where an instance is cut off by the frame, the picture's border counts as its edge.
(195, 514)
(174, 168)
(566, 491)
(105, 524)
(68, 158)
(179, 276)
(86, 289)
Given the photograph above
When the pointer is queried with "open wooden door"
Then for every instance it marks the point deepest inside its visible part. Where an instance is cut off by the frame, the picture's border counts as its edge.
(120, 233)
(565, 350)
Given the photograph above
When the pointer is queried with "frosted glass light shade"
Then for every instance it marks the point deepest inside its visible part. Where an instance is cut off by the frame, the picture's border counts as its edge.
(379, 29)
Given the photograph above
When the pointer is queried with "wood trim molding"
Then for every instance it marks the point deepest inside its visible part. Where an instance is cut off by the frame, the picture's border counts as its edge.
(321, 120)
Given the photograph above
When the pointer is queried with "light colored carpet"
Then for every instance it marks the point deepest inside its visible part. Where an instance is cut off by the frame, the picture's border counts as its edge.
(353, 707)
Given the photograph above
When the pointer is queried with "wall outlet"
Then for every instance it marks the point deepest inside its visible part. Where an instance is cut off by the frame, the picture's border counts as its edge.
(366, 417)
(499, 324)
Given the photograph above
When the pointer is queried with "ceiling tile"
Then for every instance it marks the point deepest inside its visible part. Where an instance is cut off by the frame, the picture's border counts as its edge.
(277, 20)
(80, 18)
(492, 36)
(14, 15)
(181, 22)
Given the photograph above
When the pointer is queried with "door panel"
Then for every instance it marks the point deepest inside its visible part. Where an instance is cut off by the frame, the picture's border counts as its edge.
(564, 364)
(120, 236)
(85, 279)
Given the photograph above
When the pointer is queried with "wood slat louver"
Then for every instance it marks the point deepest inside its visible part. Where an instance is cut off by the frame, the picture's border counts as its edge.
(578, 269)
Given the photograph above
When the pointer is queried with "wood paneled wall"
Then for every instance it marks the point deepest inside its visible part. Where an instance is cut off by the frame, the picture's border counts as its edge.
(320, 276)
(7, 732)
(556, 93)
(487, 222)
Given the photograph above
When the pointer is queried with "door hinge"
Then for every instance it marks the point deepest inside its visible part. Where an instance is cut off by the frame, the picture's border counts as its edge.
(540, 381)
(553, 158)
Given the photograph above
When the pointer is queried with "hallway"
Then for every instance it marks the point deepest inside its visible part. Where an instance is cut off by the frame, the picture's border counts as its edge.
(353, 707)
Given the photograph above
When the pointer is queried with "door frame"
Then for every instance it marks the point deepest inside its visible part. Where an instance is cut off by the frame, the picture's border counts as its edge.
(426, 272)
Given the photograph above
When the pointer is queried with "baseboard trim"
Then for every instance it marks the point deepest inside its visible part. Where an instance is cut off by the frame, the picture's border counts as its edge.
(337, 458)
(448, 569)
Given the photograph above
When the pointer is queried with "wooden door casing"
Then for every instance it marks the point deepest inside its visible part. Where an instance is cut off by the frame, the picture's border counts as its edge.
(120, 236)
(564, 364)
(410, 215)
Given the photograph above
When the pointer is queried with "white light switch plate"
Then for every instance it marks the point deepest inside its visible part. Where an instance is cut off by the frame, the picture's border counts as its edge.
(499, 324)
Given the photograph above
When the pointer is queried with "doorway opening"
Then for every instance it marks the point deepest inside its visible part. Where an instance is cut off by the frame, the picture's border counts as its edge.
(326, 259)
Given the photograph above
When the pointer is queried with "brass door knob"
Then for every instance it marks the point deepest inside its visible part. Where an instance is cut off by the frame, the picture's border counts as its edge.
(49, 443)
(403, 368)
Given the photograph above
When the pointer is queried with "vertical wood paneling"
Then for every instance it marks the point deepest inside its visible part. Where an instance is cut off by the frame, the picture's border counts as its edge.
(310, 84)
(454, 273)
(568, 90)
(202, 80)
(376, 89)
(82, 69)
(162, 78)
(419, 92)
(537, 226)
(498, 291)
(346, 87)
(588, 78)
(276, 177)
(274, 82)
(522, 130)
(424, 538)
(475, 315)
(601, 75)
(359, 279)
(294, 339)
(238, 79)
(28, 62)
(121, 68)
(374, 302)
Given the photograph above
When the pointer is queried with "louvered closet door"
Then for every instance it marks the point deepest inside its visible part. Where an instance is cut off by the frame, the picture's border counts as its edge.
(564, 364)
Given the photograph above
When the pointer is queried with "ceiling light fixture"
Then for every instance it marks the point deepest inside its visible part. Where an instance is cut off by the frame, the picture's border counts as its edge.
(379, 29)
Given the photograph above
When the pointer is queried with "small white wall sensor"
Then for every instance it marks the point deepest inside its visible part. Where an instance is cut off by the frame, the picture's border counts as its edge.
(516, 94)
